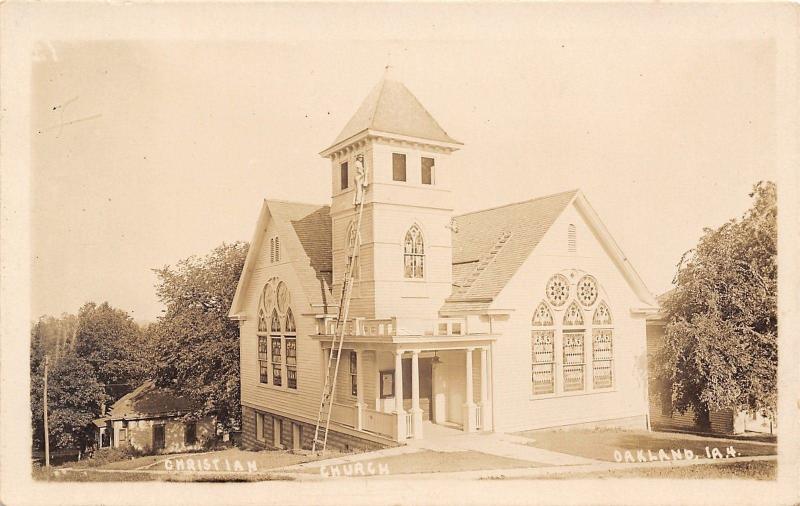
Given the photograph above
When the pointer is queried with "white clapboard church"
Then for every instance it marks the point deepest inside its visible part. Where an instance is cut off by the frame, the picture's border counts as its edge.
(517, 317)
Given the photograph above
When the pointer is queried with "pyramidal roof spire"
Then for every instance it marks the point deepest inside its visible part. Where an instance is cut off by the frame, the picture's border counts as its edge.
(391, 108)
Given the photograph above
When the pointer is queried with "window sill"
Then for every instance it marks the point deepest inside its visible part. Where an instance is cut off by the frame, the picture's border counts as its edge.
(562, 395)
(267, 386)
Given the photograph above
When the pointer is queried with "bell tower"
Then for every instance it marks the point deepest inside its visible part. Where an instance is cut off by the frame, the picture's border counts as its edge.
(404, 266)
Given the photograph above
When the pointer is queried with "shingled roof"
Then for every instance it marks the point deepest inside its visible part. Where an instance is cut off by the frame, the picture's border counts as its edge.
(390, 107)
(147, 401)
(490, 245)
(310, 226)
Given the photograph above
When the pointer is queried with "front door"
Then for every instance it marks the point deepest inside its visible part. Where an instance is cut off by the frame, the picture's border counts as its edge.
(158, 437)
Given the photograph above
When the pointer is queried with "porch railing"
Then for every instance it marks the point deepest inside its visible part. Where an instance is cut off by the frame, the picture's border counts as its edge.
(379, 422)
(373, 327)
(479, 416)
(409, 425)
(344, 414)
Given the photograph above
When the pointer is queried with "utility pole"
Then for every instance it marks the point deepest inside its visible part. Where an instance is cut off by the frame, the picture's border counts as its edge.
(46, 432)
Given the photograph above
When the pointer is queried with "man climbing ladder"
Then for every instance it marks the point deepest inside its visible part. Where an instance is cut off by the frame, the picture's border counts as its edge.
(332, 369)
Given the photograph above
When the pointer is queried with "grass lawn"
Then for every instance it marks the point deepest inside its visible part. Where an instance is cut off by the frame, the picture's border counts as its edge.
(755, 470)
(600, 444)
(428, 461)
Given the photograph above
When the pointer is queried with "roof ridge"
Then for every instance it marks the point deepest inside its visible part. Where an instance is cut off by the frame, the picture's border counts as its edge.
(282, 201)
(382, 85)
(576, 190)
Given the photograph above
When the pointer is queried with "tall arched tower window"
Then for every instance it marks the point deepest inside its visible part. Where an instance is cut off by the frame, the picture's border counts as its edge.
(290, 336)
(414, 253)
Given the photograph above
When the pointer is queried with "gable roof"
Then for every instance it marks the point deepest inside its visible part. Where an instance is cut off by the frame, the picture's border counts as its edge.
(308, 228)
(491, 245)
(390, 107)
(147, 401)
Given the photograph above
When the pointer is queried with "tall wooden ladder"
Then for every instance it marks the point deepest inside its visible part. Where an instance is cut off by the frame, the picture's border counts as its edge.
(332, 369)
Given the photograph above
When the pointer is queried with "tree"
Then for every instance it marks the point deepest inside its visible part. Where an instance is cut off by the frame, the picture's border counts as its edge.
(112, 343)
(197, 345)
(720, 348)
(74, 398)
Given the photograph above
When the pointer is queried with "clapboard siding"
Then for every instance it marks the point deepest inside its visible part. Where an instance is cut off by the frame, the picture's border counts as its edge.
(303, 401)
(515, 408)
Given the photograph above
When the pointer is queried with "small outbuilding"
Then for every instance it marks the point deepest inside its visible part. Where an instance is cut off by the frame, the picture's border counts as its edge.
(150, 419)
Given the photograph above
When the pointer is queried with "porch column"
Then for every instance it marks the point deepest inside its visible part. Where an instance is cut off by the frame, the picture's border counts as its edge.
(486, 406)
(469, 404)
(416, 412)
(359, 389)
(398, 395)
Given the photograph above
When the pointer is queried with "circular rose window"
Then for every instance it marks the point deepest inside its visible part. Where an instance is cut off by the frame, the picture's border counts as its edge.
(587, 290)
(269, 296)
(283, 297)
(557, 290)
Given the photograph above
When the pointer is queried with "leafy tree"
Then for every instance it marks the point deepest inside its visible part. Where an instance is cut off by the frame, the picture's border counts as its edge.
(74, 399)
(720, 348)
(196, 344)
(112, 343)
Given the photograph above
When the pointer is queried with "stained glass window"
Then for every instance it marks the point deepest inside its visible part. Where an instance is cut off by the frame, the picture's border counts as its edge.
(543, 351)
(587, 290)
(573, 315)
(290, 337)
(275, 340)
(414, 253)
(557, 290)
(574, 357)
(602, 348)
(602, 355)
(284, 298)
(602, 316)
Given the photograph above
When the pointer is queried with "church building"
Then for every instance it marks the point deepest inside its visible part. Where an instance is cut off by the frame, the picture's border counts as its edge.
(517, 317)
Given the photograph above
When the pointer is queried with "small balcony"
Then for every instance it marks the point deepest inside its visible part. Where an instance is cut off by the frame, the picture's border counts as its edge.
(389, 328)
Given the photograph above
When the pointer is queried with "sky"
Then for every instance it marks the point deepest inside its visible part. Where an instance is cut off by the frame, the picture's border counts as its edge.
(147, 152)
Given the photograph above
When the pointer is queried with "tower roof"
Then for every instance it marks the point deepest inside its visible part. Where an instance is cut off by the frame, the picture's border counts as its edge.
(390, 107)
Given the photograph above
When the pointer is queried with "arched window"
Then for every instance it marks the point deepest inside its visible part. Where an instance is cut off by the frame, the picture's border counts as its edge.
(543, 351)
(602, 348)
(574, 358)
(572, 335)
(265, 304)
(290, 336)
(277, 349)
(414, 253)
(277, 332)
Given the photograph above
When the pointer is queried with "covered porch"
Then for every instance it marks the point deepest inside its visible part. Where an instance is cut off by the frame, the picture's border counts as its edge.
(395, 386)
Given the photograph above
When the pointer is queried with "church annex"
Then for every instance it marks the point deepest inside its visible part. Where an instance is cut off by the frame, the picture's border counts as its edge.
(517, 317)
